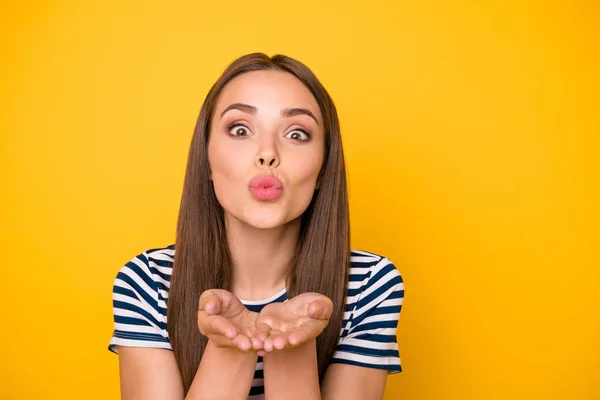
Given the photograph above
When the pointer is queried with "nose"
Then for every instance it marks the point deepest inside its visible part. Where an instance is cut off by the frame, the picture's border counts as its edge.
(267, 156)
(267, 160)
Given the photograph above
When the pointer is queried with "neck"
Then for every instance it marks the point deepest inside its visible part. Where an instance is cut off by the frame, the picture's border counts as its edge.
(260, 257)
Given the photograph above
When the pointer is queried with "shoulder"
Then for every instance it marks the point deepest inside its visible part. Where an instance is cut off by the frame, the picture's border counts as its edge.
(148, 272)
(140, 293)
(374, 281)
(370, 268)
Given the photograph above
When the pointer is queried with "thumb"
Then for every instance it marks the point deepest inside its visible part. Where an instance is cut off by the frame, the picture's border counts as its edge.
(320, 309)
(210, 303)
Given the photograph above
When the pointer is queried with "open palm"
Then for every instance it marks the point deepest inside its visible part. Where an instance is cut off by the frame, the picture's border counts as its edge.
(225, 320)
(289, 324)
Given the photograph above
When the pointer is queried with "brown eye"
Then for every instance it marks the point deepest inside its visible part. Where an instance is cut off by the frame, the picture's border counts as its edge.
(238, 130)
(299, 135)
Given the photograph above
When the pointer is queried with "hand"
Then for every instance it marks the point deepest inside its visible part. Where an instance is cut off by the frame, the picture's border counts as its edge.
(225, 320)
(289, 324)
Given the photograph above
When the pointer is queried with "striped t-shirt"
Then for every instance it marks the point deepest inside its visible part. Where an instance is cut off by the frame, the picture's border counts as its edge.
(368, 334)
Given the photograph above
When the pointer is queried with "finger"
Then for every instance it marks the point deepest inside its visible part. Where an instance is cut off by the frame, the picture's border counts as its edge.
(268, 344)
(221, 341)
(307, 331)
(262, 332)
(210, 303)
(320, 309)
(298, 337)
(242, 342)
(280, 342)
(221, 325)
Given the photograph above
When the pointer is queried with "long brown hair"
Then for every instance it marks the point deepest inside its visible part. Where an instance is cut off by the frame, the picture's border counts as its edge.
(202, 259)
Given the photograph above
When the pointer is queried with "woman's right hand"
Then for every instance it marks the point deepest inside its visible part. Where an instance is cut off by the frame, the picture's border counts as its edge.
(225, 320)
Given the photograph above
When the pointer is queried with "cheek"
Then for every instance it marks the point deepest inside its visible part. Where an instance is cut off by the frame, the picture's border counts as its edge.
(225, 164)
(305, 174)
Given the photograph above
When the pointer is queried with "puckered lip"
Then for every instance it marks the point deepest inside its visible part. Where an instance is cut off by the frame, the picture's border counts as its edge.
(266, 181)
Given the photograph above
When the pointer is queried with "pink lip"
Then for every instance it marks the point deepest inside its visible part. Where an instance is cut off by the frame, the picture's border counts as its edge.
(265, 187)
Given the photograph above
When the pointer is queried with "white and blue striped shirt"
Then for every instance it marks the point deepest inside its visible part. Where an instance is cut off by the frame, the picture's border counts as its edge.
(367, 338)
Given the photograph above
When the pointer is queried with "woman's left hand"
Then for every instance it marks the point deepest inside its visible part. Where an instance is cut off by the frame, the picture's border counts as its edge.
(289, 324)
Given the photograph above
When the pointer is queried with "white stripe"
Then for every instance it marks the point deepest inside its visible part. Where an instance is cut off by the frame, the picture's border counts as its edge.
(138, 343)
(137, 279)
(139, 329)
(383, 296)
(369, 344)
(159, 279)
(376, 331)
(139, 303)
(359, 271)
(161, 269)
(365, 254)
(380, 318)
(163, 255)
(393, 302)
(374, 360)
(132, 314)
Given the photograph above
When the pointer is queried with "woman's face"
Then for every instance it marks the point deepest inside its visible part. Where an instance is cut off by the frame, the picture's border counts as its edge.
(265, 123)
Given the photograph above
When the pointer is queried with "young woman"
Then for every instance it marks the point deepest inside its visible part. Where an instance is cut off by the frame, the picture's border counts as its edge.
(261, 296)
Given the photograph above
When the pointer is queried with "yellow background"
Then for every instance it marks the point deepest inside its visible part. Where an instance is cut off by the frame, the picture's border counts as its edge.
(471, 130)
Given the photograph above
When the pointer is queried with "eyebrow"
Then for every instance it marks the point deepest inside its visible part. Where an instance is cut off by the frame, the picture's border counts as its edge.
(288, 112)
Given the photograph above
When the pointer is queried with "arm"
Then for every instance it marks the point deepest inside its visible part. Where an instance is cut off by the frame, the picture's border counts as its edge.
(292, 373)
(225, 371)
(147, 373)
(349, 382)
(223, 374)
(150, 374)
(369, 351)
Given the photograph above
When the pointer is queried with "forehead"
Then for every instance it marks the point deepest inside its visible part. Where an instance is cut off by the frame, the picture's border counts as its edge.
(268, 90)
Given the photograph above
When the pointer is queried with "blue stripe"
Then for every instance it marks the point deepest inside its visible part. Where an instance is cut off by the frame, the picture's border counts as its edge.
(389, 367)
(378, 292)
(141, 273)
(386, 310)
(375, 337)
(374, 325)
(367, 351)
(136, 309)
(149, 337)
(155, 271)
(358, 277)
(162, 263)
(131, 321)
(254, 390)
(383, 271)
(139, 292)
(125, 292)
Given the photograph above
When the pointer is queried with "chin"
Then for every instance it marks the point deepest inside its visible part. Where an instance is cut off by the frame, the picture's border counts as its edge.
(264, 221)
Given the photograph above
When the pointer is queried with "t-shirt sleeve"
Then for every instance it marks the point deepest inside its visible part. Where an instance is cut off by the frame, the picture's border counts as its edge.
(138, 310)
(370, 341)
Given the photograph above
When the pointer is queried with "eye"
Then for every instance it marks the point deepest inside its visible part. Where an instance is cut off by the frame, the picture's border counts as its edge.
(238, 130)
(298, 134)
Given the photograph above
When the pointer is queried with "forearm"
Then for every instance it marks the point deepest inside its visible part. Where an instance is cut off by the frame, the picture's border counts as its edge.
(292, 373)
(223, 374)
